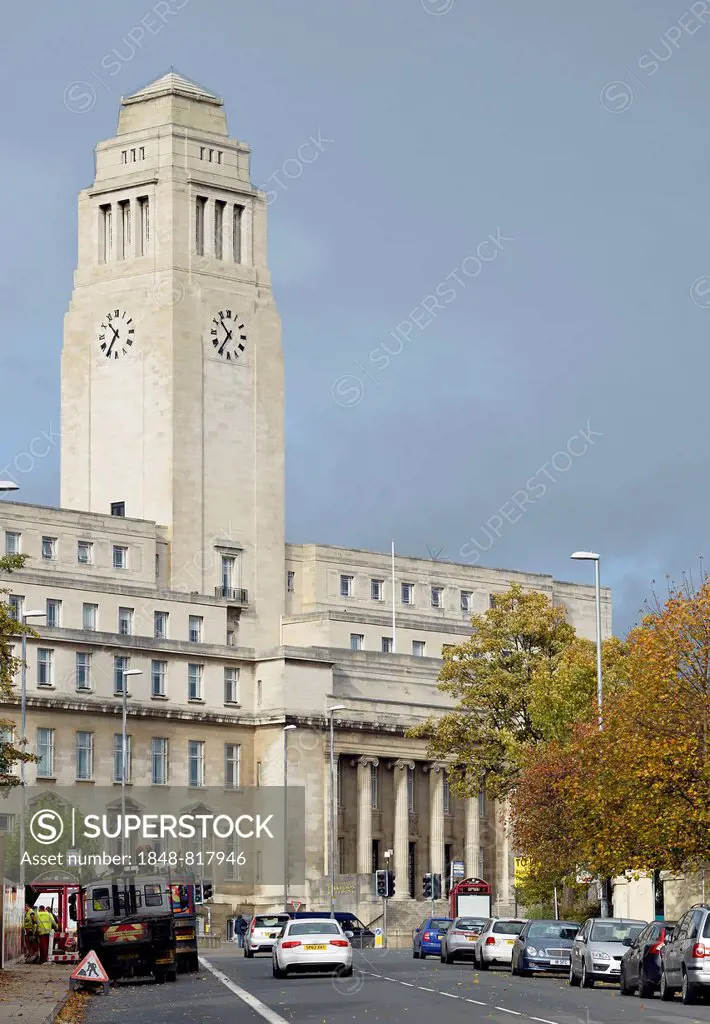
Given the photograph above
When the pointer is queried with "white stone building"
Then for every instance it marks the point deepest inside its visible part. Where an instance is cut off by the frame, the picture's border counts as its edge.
(168, 553)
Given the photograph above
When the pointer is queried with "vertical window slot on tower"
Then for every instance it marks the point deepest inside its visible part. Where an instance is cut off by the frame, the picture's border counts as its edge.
(124, 209)
(237, 234)
(143, 225)
(105, 234)
(219, 229)
(200, 225)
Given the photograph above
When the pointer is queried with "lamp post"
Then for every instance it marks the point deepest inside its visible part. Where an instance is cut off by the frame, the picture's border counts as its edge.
(23, 729)
(124, 753)
(287, 730)
(592, 556)
(331, 712)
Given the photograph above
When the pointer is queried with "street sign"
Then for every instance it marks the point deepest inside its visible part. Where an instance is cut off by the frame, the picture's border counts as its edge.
(295, 905)
(90, 971)
(522, 870)
(458, 869)
(378, 938)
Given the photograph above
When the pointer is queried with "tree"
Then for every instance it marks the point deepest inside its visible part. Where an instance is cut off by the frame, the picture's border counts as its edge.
(10, 628)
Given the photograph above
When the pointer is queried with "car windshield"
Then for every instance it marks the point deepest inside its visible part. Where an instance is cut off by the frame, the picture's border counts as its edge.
(553, 930)
(610, 931)
(469, 924)
(314, 928)
(508, 927)
(271, 922)
(440, 923)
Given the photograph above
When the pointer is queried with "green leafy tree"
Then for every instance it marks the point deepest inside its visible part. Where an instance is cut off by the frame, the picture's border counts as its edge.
(10, 628)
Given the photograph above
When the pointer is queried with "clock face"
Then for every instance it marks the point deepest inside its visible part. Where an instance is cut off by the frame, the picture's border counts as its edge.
(116, 334)
(228, 335)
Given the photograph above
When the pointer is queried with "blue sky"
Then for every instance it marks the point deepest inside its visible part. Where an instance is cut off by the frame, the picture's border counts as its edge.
(576, 132)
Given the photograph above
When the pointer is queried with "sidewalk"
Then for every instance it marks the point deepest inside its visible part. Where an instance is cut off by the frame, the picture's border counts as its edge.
(32, 993)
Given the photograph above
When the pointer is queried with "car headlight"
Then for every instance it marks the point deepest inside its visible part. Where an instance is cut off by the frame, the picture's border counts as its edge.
(531, 950)
(599, 955)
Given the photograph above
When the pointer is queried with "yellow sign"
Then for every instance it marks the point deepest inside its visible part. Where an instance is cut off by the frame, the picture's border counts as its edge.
(522, 870)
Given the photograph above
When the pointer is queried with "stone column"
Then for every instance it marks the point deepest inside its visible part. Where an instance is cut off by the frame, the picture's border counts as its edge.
(436, 821)
(505, 894)
(401, 829)
(364, 814)
(473, 837)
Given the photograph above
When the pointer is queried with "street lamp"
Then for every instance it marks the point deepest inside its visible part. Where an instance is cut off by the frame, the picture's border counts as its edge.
(287, 730)
(124, 753)
(331, 712)
(23, 722)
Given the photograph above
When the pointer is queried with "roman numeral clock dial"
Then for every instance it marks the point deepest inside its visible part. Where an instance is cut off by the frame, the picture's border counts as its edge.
(228, 335)
(116, 334)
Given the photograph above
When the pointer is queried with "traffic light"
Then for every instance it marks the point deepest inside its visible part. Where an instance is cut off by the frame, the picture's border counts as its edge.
(428, 886)
(436, 887)
(384, 883)
(390, 883)
(198, 893)
(207, 891)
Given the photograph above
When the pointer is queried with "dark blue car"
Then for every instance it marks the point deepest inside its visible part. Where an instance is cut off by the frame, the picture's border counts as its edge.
(641, 964)
(543, 946)
(427, 937)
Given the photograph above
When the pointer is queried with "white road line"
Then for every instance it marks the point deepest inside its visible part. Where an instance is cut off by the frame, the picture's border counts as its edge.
(246, 997)
(423, 988)
(544, 1020)
(409, 984)
(476, 1001)
(450, 995)
(515, 1013)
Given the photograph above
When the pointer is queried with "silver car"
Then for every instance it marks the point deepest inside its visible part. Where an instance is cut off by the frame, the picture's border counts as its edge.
(598, 949)
(459, 941)
(685, 958)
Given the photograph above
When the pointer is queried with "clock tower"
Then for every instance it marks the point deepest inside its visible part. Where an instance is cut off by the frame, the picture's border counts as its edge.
(172, 370)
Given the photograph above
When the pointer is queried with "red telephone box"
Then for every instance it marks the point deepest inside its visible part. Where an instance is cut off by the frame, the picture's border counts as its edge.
(470, 897)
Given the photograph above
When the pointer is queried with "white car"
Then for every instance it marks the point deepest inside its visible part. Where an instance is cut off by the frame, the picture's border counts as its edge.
(263, 932)
(313, 945)
(495, 943)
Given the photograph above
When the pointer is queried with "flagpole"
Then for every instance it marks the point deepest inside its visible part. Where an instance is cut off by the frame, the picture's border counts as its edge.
(394, 607)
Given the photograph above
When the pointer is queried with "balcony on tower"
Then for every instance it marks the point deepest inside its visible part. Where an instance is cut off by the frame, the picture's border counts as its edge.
(233, 595)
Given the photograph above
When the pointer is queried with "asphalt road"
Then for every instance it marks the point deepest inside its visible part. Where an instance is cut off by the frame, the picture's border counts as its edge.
(387, 986)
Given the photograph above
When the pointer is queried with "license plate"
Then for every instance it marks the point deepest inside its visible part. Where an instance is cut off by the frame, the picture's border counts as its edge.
(316, 947)
(510, 942)
(471, 938)
(440, 937)
(559, 963)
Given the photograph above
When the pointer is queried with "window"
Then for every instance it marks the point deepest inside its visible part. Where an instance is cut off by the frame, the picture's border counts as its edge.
(466, 601)
(356, 641)
(160, 625)
(84, 755)
(120, 665)
(194, 682)
(118, 508)
(133, 156)
(124, 237)
(437, 597)
(83, 670)
(17, 605)
(105, 234)
(195, 629)
(291, 582)
(45, 666)
(407, 593)
(374, 781)
(219, 156)
(418, 648)
(231, 685)
(195, 763)
(158, 672)
(410, 789)
(89, 617)
(377, 589)
(120, 557)
(200, 207)
(125, 621)
(231, 765)
(84, 552)
(231, 638)
(259, 693)
(45, 751)
(49, 549)
(12, 542)
(258, 773)
(143, 238)
(159, 758)
(202, 152)
(346, 586)
(447, 795)
(211, 154)
(124, 156)
(387, 645)
(141, 153)
(229, 571)
(237, 234)
(118, 760)
(219, 206)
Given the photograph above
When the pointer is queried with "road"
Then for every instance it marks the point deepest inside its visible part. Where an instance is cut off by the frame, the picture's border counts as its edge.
(387, 986)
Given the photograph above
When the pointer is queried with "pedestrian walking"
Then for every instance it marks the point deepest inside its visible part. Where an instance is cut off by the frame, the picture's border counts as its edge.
(240, 929)
(30, 927)
(46, 923)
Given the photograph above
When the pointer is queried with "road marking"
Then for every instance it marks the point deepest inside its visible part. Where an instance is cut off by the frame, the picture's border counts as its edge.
(515, 1013)
(476, 1001)
(256, 1004)
(409, 984)
(544, 1020)
(423, 988)
(451, 995)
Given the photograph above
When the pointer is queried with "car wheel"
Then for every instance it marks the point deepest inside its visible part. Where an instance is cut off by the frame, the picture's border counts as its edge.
(422, 955)
(645, 989)
(415, 954)
(172, 975)
(482, 964)
(449, 958)
(688, 992)
(347, 972)
(587, 982)
(573, 979)
(623, 987)
(667, 993)
(248, 953)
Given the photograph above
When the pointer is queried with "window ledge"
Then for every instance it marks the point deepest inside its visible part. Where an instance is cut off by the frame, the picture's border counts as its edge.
(232, 704)
(195, 700)
(46, 686)
(46, 778)
(119, 783)
(159, 696)
(84, 782)
(84, 689)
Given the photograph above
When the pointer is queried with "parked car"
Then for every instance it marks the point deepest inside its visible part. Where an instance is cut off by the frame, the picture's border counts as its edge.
(685, 958)
(313, 945)
(459, 940)
(543, 946)
(641, 963)
(598, 949)
(263, 932)
(362, 937)
(427, 938)
(495, 943)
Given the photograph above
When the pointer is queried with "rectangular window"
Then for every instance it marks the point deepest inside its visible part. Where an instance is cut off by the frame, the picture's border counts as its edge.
(84, 552)
(374, 784)
(17, 605)
(200, 208)
(143, 226)
(231, 638)
(291, 582)
(124, 237)
(125, 621)
(84, 755)
(231, 765)
(418, 648)
(160, 625)
(410, 789)
(237, 234)
(159, 752)
(54, 612)
(258, 773)
(466, 601)
(90, 617)
(133, 156)
(219, 206)
(202, 152)
(195, 629)
(49, 549)
(437, 597)
(83, 670)
(210, 155)
(45, 666)
(229, 572)
(356, 641)
(120, 557)
(407, 593)
(377, 589)
(219, 156)
(105, 234)
(387, 645)
(124, 156)
(231, 686)
(158, 672)
(195, 763)
(119, 767)
(194, 682)
(12, 542)
(120, 665)
(259, 693)
(447, 795)
(45, 751)
(118, 508)
(141, 153)
(346, 586)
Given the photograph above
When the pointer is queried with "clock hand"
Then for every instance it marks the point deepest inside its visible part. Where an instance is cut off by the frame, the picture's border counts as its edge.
(229, 335)
(113, 340)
